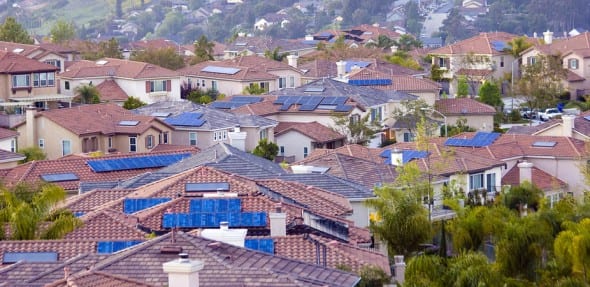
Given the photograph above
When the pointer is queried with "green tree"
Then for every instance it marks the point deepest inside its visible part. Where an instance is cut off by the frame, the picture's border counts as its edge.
(517, 46)
(254, 89)
(382, 42)
(106, 49)
(358, 131)
(541, 82)
(87, 94)
(372, 276)
(32, 153)
(402, 58)
(12, 31)
(525, 193)
(489, 93)
(266, 149)
(572, 248)
(462, 87)
(275, 54)
(165, 57)
(133, 103)
(62, 32)
(30, 212)
(407, 42)
(203, 50)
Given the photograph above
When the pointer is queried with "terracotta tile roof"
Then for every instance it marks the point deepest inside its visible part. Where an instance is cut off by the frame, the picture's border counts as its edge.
(117, 68)
(244, 73)
(314, 130)
(89, 201)
(463, 106)
(321, 68)
(303, 248)
(65, 249)
(584, 52)
(260, 44)
(11, 63)
(6, 133)
(97, 279)
(513, 145)
(84, 119)
(262, 63)
(398, 82)
(581, 124)
(353, 150)
(540, 178)
(573, 77)
(111, 91)
(7, 156)
(359, 170)
(107, 225)
(175, 148)
(480, 44)
(564, 45)
(12, 47)
(152, 44)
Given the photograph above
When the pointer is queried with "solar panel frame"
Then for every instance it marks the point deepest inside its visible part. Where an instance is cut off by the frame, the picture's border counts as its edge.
(13, 257)
(343, 108)
(150, 161)
(59, 177)
(312, 89)
(246, 99)
(221, 70)
(160, 114)
(189, 119)
(206, 186)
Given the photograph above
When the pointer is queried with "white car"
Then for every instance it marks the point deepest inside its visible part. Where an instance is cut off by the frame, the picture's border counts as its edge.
(549, 114)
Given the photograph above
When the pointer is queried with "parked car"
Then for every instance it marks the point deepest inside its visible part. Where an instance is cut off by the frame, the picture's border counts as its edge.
(528, 113)
(549, 114)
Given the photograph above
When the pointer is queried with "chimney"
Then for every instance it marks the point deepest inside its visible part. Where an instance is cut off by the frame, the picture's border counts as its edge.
(183, 272)
(525, 171)
(308, 37)
(534, 34)
(397, 157)
(278, 222)
(241, 34)
(393, 48)
(237, 138)
(399, 268)
(548, 37)
(341, 69)
(234, 237)
(568, 125)
(30, 128)
(292, 60)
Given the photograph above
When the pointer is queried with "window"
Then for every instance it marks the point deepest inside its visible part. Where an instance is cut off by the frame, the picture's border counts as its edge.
(157, 86)
(203, 83)
(573, 64)
(531, 60)
(66, 147)
(41, 143)
(376, 114)
(263, 134)
(491, 182)
(443, 63)
(282, 150)
(305, 151)
(89, 144)
(165, 138)
(44, 80)
(149, 141)
(408, 137)
(502, 61)
(214, 85)
(265, 86)
(219, 135)
(476, 181)
(13, 145)
(132, 144)
(110, 142)
(553, 199)
(291, 82)
(56, 63)
(192, 139)
(282, 83)
(67, 85)
(354, 119)
(19, 81)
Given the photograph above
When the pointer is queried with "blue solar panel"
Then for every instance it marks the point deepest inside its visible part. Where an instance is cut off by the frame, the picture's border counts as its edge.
(360, 64)
(132, 205)
(226, 105)
(13, 257)
(262, 244)
(107, 247)
(149, 161)
(206, 186)
(343, 108)
(481, 139)
(213, 219)
(246, 99)
(78, 213)
(311, 103)
(220, 70)
(57, 177)
(186, 119)
(499, 45)
(408, 155)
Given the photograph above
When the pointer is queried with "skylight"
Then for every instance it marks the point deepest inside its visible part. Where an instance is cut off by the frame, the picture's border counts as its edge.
(18, 50)
(101, 62)
(544, 144)
(128, 123)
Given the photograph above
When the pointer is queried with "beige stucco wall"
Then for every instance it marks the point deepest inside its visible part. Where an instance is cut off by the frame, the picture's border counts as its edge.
(6, 89)
(8, 143)
(294, 143)
(484, 123)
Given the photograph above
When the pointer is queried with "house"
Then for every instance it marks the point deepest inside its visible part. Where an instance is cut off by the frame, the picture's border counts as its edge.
(478, 58)
(297, 140)
(575, 126)
(573, 53)
(552, 187)
(246, 45)
(356, 36)
(155, 44)
(147, 82)
(271, 19)
(202, 126)
(231, 77)
(25, 81)
(45, 53)
(477, 115)
(103, 128)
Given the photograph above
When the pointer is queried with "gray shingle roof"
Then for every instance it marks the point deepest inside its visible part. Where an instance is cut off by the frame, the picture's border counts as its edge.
(331, 183)
(215, 119)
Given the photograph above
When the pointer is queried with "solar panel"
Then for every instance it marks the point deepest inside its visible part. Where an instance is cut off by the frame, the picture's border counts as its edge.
(212, 219)
(138, 162)
(160, 114)
(360, 64)
(314, 89)
(311, 103)
(408, 155)
(343, 108)
(261, 244)
(78, 213)
(220, 70)
(132, 205)
(107, 247)
(370, 82)
(206, 186)
(246, 99)
(544, 144)
(128, 123)
(480, 139)
(499, 45)
(58, 177)
(186, 119)
(13, 257)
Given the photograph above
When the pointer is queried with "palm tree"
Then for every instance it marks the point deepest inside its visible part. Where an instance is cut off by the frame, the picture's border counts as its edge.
(572, 247)
(517, 46)
(88, 94)
(30, 211)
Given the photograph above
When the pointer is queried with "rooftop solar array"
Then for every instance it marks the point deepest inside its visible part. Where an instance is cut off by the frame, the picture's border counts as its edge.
(544, 144)
(12, 257)
(215, 205)
(261, 244)
(206, 186)
(186, 119)
(128, 123)
(499, 45)
(370, 82)
(161, 114)
(360, 64)
(407, 155)
(78, 213)
(107, 247)
(212, 220)
(480, 139)
(220, 70)
(149, 161)
(58, 177)
(311, 103)
(235, 102)
(132, 205)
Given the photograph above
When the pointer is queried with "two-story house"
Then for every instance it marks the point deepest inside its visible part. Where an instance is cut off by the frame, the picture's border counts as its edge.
(246, 45)
(148, 82)
(103, 128)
